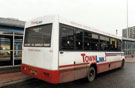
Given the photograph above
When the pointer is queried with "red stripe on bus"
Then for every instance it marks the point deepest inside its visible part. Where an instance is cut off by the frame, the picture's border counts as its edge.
(66, 69)
(110, 62)
(72, 65)
(114, 55)
(73, 68)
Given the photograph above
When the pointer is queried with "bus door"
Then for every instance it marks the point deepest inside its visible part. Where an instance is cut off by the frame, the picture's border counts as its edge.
(80, 67)
(66, 53)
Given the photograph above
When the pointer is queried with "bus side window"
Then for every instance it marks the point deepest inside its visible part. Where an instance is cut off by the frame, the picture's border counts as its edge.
(87, 40)
(113, 44)
(104, 43)
(67, 38)
(79, 39)
(119, 45)
(94, 42)
(90, 41)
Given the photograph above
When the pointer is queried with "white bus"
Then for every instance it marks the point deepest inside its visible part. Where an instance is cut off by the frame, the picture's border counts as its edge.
(57, 50)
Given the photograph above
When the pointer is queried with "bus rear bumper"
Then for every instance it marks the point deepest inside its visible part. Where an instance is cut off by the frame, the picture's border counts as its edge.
(51, 76)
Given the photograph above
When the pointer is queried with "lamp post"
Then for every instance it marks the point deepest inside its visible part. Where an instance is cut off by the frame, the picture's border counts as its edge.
(116, 32)
(127, 21)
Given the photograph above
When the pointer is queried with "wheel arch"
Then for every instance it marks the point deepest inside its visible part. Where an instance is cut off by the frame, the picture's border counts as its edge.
(95, 66)
(123, 59)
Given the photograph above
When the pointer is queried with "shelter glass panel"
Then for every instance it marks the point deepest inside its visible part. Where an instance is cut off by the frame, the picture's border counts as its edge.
(5, 53)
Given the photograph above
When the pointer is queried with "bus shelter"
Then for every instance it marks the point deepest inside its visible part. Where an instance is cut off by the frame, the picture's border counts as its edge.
(128, 46)
(11, 36)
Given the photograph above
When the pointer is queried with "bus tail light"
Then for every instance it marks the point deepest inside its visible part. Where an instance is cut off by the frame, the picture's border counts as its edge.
(24, 68)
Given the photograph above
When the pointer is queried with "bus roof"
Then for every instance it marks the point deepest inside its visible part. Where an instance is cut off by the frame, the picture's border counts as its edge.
(52, 18)
(86, 27)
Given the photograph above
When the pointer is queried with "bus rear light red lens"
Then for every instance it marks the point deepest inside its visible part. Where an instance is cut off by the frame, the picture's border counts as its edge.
(24, 68)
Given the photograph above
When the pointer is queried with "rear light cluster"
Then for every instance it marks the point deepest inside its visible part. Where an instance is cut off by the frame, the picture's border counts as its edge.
(24, 68)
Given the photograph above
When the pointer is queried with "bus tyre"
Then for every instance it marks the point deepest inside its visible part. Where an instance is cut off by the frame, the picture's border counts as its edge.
(91, 74)
(122, 63)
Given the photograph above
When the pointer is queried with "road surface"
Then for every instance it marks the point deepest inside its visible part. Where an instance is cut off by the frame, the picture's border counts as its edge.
(119, 78)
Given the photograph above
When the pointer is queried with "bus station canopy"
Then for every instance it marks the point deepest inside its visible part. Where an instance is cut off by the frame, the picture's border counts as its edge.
(11, 25)
(12, 22)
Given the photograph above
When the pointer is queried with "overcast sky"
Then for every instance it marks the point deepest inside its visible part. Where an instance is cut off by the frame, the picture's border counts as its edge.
(105, 15)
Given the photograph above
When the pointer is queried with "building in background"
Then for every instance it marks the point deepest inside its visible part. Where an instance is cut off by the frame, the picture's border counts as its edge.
(131, 32)
(128, 46)
(129, 43)
(11, 36)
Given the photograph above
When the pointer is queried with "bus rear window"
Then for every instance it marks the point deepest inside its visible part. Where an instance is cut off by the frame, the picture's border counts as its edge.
(38, 36)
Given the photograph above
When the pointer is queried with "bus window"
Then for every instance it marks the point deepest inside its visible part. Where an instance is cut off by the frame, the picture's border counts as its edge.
(79, 39)
(119, 45)
(104, 42)
(90, 41)
(94, 42)
(113, 44)
(67, 38)
(87, 43)
(38, 36)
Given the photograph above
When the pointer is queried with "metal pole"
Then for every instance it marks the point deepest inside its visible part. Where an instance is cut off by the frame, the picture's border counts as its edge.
(116, 32)
(13, 49)
(127, 21)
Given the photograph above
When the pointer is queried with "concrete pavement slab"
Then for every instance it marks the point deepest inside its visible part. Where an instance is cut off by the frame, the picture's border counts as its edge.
(12, 78)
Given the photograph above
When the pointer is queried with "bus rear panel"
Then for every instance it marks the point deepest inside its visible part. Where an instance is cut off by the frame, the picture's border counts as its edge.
(40, 48)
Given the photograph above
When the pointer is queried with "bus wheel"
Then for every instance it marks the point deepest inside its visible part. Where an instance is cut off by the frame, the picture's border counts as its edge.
(122, 64)
(91, 74)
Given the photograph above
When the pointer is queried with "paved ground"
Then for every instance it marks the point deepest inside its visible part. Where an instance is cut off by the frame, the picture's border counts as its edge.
(130, 59)
(12, 78)
(119, 78)
(8, 70)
